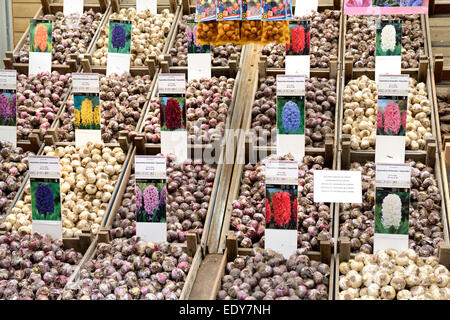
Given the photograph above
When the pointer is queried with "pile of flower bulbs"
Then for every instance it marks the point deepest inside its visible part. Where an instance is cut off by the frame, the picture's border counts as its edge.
(319, 110)
(360, 114)
(426, 229)
(122, 100)
(360, 40)
(220, 55)
(389, 275)
(132, 269)
(34, 267)
(324, 40)
(267, 275)
(13, 170)
(88, 178)
(39, 99)
(208, 103)
(148, 36)
(71, 35)
(248, 215)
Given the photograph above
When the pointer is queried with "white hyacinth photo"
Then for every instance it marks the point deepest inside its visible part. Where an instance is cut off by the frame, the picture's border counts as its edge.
(391, 211)
(389, 38)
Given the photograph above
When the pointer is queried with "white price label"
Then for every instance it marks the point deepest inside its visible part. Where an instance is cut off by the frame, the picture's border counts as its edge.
(172, 83)
(85, 83)
(150, 167)
(283, 172)
(392, 175)
(8, 79)
(44, 167)
(393, 85)
(290, 85)
(337, 186)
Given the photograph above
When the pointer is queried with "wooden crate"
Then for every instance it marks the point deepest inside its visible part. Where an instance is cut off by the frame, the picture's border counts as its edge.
(212, 269)
(345, 255)
(441, 138)
(166, 66)
(125, 137)
(426, 155)
(334, 64)
(152, 65)
(330, 140)
(350, 72)
(431, 160)
(82, 242)
(191, 248)
(144, 147)
(50, 6)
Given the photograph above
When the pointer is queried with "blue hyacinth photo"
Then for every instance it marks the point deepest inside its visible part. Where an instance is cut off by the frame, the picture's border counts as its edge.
(291, 115)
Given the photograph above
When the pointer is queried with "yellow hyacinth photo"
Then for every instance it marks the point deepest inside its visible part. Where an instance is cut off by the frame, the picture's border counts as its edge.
(87, 112)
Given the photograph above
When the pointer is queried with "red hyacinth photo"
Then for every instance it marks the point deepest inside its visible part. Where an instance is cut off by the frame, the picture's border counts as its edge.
(281, 207)
(299, 44)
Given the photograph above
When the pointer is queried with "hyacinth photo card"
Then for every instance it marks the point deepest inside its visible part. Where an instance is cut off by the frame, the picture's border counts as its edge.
(40, 35)
(291, 115)
(389, 38)
(45, 199)
(173, 113)
(281, 207)
(151, 197)
(299, 43)
(119, 36)
(392, 210)
(87, 111)
(391, 116)
(379, 7)
(191, 33)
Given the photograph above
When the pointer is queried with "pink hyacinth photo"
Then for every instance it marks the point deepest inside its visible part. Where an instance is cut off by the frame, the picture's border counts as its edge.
(391, 117)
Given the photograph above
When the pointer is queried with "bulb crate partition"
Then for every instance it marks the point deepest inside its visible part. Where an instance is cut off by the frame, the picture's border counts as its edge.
(124, 138)
(153, 59)
(105, 234)
(81, 243)
(191, 248)
(11, 60)
(350, 71)
(334, 64)
(209, 278)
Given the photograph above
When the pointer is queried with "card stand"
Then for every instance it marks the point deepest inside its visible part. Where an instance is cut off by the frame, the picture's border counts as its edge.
(419, 73)
(345, 255)
(192, 249)
(333, 65)
(234, 63)
(51, 7)
(152, 60)
(421, 155)
(346, 158)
